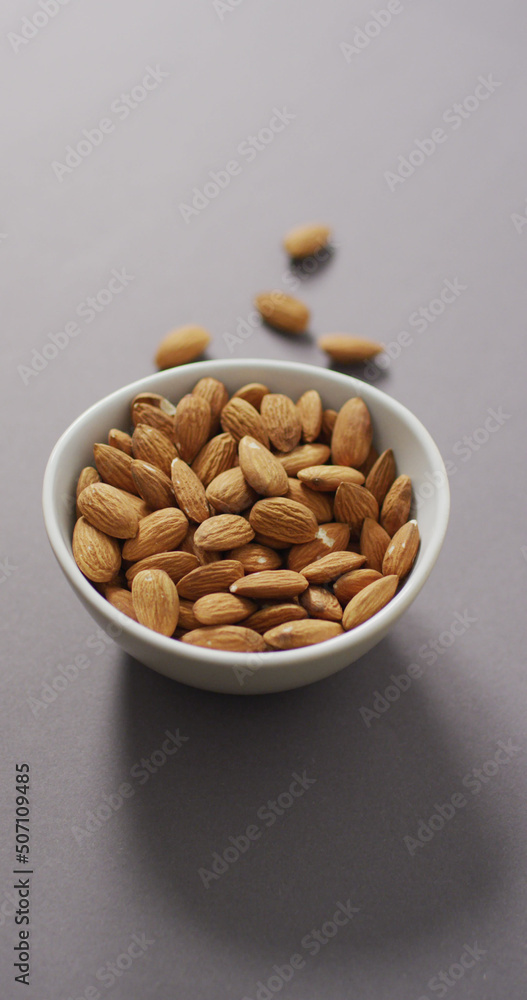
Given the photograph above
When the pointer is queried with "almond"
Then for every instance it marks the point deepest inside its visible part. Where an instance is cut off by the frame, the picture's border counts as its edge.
(154, 399)
(87, 477)
(229, 493)
(374, 541)
(182, 345)
(218, 455)
(310, 411)
(275, 614)
(156, 601)
(370, 461)
(292, 635)
(303, 456)
(352, 434)
(187, 618)
(352, 583)
(113, 467)
(397, 504)
(153, 485)
(121, 599)
(222, 609)
(346, 349)
(108, 509)
(175, 564)
(118, 439)
(261, 469)
(253, 393)
(189, 545)
(369, 601)
(221, 532)
(321, 603)
(231, 638)
(189, 491)
(303, 241)
(328, 422)
(152, 446)
(281, 420)
(216, 395)
(278, 583)
(332, 537)
(283, 311)
(353, 504)
(381, 476)
(402, 550)
(331, 566)
(320, 503)
(97, 555)
(239, 418)
(159, 532)
(191, 426)
(210, 579)
(284, 520)
(153, 416)
(256, 558)
(327, 478)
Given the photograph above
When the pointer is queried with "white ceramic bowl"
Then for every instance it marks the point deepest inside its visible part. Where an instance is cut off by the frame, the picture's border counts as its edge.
(245, 673)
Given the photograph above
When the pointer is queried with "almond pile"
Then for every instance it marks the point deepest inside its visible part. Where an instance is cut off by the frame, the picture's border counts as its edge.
(248, 522)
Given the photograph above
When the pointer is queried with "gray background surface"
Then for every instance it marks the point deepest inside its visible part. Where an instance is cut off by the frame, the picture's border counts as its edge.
(458, 216)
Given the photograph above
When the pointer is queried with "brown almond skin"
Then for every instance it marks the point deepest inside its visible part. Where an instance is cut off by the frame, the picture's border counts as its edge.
(182, 345)
(332, 537)
(369, 601)
(153, 485)
(154, 399)
(230, 493)
(189, 545)
(381, 476)
(328, 422)
(261, 469)
(97, 555)
(113, 467)
(121, 440)
(216, 456)
(280, 583)
(352, 434)
(327, 478)
(231, 638)
(109, 510)
(217, 576)
(310, 410)
(217, 397)
(222, 609)
(175, 564)
(353, 504)
(303, 241)
(121, 599)
(156, 602)
(374, 541)
(281, 420)
(332, 566)
(271, 615)
(347, 586)
(283, 311)
(303, 456)
(253, 393)
(321, 603)
(293, 635)
(187, 618)
(189, 491)
(152, 446)
(256, 558)
(284, 520)
(153, 416)
(87, 477)
(401, 551)
(239, 418)
(345, 349)
(320, 503)
(397, 503)
(220, 532)
(159, 532)
(370, 461)
(191, 426)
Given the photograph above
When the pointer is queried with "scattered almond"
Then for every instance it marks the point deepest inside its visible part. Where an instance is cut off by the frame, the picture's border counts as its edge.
(346, 349)
(303, 241)
(182, 345)
(283, 311)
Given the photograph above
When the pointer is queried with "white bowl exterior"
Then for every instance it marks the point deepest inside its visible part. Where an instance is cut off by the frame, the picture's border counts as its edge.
(240, 673)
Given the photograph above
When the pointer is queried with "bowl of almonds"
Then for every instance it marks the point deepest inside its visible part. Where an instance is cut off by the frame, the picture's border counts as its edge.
(246, 526)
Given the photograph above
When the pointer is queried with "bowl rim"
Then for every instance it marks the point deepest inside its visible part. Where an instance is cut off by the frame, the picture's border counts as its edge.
(362, 634)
